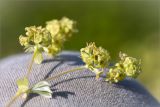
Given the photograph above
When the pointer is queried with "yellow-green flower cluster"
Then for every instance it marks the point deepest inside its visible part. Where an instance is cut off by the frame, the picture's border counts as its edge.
(49, 39)
(35, 36)
(95, 58)
(116, 74)
(131, 65)
(127, 67)
(62, 29)
(37, 40)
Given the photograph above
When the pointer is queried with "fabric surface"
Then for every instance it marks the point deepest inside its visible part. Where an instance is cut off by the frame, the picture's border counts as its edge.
(78, 89)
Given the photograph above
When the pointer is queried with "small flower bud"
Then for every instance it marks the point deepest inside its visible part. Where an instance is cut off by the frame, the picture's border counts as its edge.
(62, 29)
(132, 66)
(115, 74)
(67, 25)
(23, 40)
(53, 26)
(96, 57)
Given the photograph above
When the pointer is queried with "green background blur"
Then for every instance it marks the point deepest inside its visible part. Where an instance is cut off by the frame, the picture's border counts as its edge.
(129, 26)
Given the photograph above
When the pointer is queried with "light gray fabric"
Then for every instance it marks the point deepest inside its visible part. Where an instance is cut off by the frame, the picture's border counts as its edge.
(79, 89)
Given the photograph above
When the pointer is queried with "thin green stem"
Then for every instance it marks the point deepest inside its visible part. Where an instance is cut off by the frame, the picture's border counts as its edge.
(66, 72)
(27, 76)
(14, 99)
(30, 66)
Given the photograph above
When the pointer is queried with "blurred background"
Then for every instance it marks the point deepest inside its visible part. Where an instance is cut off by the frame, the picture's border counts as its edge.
(131, 26)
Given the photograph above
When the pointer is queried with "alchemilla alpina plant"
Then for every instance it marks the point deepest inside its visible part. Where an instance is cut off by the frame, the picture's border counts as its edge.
(50, 39)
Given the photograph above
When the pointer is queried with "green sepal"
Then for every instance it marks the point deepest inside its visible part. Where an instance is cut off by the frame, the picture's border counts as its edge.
(23, 86)
(38, 56)
(95, 70)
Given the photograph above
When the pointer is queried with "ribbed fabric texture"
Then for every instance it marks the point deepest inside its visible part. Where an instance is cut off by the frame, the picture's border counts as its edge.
(78, 89)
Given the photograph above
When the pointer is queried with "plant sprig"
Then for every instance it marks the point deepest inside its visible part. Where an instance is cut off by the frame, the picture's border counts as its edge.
(50, 40)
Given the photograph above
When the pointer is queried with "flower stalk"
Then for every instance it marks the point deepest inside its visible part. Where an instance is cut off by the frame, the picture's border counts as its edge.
(30, 66)
(66, 72)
